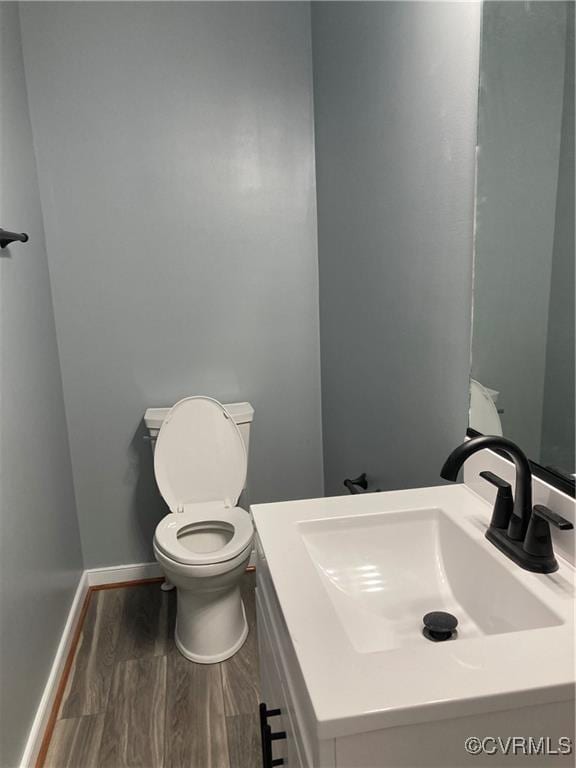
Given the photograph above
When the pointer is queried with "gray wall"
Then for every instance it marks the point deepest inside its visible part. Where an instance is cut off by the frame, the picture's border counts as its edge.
(40, 556)
(558, 414)
(519, 126)
(175, 156)
(395, 89)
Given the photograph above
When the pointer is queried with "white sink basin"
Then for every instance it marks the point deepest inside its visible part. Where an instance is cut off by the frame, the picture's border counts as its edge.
(354, 576)
(382, 573)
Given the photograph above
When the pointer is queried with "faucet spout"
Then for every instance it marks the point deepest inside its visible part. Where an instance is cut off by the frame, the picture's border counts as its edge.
(522, 508)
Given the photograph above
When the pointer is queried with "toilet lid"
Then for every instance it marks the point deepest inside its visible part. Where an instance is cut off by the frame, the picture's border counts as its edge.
(200, 454)
(174, 534)
(483, 416)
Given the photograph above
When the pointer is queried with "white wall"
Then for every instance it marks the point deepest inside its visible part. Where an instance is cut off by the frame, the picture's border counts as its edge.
(395, 88)
(40, 557)
(175, 157)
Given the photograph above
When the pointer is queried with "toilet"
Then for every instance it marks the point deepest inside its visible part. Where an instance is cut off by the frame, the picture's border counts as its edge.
(483, 414)
(204, 544)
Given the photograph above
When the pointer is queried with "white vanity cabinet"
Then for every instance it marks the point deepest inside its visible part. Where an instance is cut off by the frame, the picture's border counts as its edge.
(437, 744)
(280, 736)
(282, 686)
(413, 704)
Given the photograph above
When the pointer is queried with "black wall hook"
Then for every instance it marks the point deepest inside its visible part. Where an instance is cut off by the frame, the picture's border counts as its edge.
(10, 237)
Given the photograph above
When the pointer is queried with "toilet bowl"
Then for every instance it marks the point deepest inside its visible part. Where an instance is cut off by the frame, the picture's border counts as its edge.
(205, 542)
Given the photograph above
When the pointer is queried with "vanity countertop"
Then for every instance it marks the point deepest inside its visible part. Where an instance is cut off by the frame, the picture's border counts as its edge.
(354, 574)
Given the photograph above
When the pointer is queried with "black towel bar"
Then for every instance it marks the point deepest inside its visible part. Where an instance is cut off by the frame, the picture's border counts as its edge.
(10, 237)
(359, 485)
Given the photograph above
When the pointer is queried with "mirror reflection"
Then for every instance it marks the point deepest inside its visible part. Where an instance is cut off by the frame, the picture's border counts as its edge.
(522, 376)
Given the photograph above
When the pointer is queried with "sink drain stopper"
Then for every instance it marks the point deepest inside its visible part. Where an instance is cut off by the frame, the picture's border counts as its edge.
(439, 625)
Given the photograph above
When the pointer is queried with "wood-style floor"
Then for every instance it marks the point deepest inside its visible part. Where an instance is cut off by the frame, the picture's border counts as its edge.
(133, 700)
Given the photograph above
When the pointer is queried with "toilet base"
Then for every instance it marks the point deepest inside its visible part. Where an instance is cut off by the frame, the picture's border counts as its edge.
(211, 624)
(211, 621)
(214, 659)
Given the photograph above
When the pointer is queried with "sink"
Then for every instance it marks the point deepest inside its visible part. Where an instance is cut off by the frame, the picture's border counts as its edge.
(353, 577)
(382, 573)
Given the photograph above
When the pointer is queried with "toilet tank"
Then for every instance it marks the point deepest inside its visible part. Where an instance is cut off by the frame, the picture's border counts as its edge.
(242, 413)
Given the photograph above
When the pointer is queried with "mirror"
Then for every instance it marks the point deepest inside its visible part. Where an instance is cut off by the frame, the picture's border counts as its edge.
(522, 372)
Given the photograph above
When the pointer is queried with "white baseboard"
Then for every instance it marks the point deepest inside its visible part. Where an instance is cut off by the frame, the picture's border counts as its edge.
(95, 577)
(44, 710)
(91, 578)
(118, 573)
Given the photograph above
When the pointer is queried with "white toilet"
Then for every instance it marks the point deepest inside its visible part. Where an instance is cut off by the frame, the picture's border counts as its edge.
(483, 413)
(204, 544)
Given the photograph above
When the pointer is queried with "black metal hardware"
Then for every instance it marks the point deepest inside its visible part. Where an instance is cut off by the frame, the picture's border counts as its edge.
(439, 625)
(359, 485)
(267, 736)
(504, 500)
(522, 507)
(540, 511)
(538, 542)
(352, 487)
(362, 481)
(10, 237)
(495, 480)
(527, 540)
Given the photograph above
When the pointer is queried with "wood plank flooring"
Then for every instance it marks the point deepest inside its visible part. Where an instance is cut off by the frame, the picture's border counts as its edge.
(132, 701)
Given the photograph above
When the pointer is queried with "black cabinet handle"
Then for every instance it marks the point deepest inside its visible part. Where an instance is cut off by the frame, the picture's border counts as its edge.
(268, 736)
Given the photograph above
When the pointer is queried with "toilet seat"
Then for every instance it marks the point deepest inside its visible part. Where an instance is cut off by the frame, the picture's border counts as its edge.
(200, 455)
(172, 528)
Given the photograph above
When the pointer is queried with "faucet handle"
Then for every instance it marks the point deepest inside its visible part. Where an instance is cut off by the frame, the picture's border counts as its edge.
(504, 501)
(495, 480)
(552, 517)
(538, 541)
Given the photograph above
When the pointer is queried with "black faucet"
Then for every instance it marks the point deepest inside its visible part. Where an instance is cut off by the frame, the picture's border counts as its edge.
(522, 508)
(520, 534)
